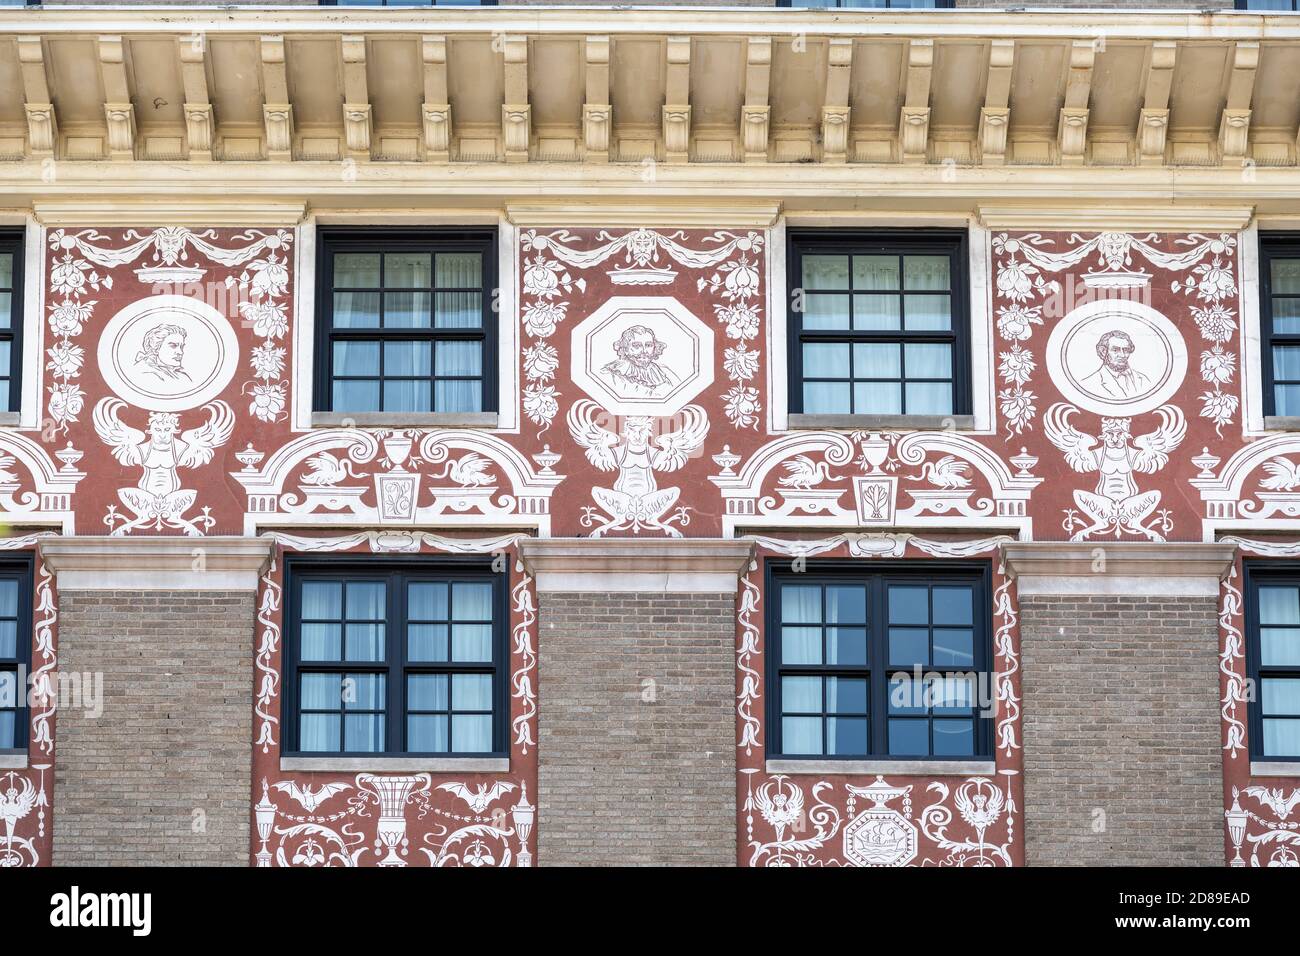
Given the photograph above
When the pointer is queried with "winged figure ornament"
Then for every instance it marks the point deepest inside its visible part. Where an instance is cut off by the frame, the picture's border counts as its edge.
(158, 500)
(636, 501)
(1116, 505)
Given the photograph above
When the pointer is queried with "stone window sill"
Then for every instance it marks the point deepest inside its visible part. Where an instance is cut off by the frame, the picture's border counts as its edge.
(380, 764)
(404, 419)
(1275, 768)
(909, 768)
(9, 419)
(1282, 423)
(878, 422)
(13, 761)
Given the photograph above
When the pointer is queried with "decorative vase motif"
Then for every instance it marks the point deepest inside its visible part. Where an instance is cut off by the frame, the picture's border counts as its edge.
(393, 793)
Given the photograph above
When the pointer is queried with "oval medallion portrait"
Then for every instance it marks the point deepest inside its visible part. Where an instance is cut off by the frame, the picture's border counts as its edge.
(168, 353)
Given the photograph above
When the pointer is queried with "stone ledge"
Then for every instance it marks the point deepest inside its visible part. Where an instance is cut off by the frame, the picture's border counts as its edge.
(365, 764)
(404, 419)
(908, 768)
(1275, 768)
(675, 565)
(13, 761)
(1143, 569)
(156, 564)
(799, 421)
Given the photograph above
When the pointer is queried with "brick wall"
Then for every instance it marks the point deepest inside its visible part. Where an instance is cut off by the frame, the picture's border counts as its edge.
(622, 779)
(1121, 718)
(171, 751)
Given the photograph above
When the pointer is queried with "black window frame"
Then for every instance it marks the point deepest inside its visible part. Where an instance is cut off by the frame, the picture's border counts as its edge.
(397, 571)
(12, 241)
(839, 5)
(1242, 5)
(1254, 573)
(330, 241)
(899, 242)
(878, 576)
(1273, 245)
(19, 566)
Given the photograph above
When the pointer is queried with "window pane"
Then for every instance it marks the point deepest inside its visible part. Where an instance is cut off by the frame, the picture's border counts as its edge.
(954, 738)
(426, 733)
(363, 732)
(825, 311)
(322, 642)
(321, 691)
(406, 310)
(8, 695)
(846, 695)
(826, 272)
(909, 646)
(1286, 316)
(460, 270)
(427, 601)
(458, 310)
(846, 645)
(450, 395)
(876, 360)
(1286, 398)
(1286, 362)
(366, 600)
(954, 647)
(471, 691)
(1279, 605)
(364, 691)
(365, 642)
(407, 396)
(928, 360)
(878, 398)
(426, 642)
(875, 273)
(953, 605)
(460, 359)
(6, 310)
(471, 601)
(908, 604)
(801, 735)
(1281, 738)
(801, 695)
(6, 270)
(846, 604)
(426, 692)
(1285, 273)
(1278, 646)
(8, 598)
(826, 360)
(319, 732)
(909, 736)
(929, 398)
(356, 396)
(875, 312)
(952, 692)
(471, 642)
(826, 398)
(407, 358)
(353, 270)
(356, 358)
(928, 313)
(846, 735)
(906, 695)
(801, 645)
(925, 272)
(407, 270)
(1280, 695)
(471, 733)
(801, 604)
(7, 723)
(356, 310)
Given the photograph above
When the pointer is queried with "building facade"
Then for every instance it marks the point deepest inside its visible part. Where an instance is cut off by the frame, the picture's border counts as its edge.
(584, 436)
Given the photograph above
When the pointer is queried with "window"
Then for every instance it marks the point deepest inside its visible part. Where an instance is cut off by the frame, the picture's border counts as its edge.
(408, 3)
(1273, 659)
(396, 658)
(15, 653)
(1279, 257)
(1266, 5)
(878, 323)
(869, 4)
(405, 322)
(11, 320)
(885, 664)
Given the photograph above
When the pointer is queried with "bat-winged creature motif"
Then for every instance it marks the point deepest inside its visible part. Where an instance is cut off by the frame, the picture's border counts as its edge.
(310, 797)
(482, 798)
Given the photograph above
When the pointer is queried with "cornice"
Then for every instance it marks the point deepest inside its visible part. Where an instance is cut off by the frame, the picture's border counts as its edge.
(1184, 569)
(652, 214)
(212, 213)
(699, 565)
(1127, 216)
(156, 564)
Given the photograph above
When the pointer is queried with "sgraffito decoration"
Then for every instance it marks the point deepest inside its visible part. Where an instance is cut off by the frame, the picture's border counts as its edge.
(1261, 814)
(310, 818)
(878, 820)
(27, 796)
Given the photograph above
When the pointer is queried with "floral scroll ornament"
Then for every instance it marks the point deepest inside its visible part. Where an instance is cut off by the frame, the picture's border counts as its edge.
(265, 283)
(1211, 283)
(545, 281)
(1019, 283)
(72, 278)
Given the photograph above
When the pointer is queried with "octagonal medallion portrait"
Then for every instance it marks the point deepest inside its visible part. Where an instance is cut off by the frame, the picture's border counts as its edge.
(642, 355)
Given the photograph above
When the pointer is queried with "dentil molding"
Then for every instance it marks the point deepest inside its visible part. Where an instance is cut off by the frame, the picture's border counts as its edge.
(677, 565)
(1180, 569)
(156, 564)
